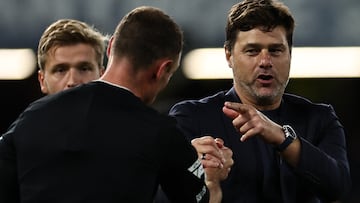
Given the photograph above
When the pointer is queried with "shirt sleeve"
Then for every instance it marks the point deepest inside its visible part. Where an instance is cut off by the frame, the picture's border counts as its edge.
(182, 177)
(9, 188)
(323, 162)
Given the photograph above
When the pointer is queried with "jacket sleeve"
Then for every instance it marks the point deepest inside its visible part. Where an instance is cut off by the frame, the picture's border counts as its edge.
(323, 163)
(9, 188)
(182, 180)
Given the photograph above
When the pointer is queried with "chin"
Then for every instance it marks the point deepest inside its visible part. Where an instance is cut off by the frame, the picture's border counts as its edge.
(266, 98)
(265, 93)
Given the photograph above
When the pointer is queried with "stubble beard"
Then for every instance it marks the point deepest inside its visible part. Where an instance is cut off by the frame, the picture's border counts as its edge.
(263, 99)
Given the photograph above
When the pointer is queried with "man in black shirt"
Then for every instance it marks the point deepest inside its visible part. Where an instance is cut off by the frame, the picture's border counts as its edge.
(101, 142)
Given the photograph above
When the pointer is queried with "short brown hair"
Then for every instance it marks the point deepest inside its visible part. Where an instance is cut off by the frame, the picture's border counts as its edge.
(146, 34)
(70, 32)
(263, 14)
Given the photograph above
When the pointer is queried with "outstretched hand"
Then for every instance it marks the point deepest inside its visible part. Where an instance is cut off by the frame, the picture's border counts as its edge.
(249, 122)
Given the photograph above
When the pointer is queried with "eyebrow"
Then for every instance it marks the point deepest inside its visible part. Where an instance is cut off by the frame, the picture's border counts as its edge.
(258, 45)
(81, 63)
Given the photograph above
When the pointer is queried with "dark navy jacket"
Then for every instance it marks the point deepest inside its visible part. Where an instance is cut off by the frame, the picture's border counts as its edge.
(259, 174)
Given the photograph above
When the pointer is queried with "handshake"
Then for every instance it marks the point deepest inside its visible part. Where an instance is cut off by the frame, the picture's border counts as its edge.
(217, 161)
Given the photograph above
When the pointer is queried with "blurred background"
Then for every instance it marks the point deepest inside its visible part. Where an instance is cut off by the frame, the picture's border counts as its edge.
(320, 23)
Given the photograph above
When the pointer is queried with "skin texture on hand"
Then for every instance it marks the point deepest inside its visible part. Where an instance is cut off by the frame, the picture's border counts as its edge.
(217, 161)
(251, 122)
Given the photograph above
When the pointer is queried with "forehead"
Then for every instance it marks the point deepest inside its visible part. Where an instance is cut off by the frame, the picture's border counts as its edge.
(70, 53)
(69, 50)
(259, 36)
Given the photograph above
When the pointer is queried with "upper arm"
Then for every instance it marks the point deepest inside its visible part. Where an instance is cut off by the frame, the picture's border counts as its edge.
(9, 187)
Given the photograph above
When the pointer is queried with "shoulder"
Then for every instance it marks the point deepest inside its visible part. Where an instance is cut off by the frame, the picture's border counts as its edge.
(296, 100)
(302, 105)
(204, 103)
(61, 104)
(62, 98)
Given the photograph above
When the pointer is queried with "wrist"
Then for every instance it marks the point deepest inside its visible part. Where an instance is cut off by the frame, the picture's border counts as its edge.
(215, 191)
(290, 136)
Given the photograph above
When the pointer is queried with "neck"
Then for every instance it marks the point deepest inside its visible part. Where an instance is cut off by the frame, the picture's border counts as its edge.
(120, 72)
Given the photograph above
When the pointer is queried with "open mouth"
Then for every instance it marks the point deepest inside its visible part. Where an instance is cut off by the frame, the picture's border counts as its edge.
(265, 77)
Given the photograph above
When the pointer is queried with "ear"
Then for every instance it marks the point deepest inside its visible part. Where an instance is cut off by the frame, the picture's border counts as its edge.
(41, 79)
(109, 46)
(228, 57)
(164, 67)
(101, 71)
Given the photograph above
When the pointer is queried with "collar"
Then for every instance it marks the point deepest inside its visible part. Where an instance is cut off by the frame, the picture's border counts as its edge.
(232, 96)
(113, 84)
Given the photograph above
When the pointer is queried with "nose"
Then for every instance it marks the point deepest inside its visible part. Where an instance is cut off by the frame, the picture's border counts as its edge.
(74, 79)
(265, 59)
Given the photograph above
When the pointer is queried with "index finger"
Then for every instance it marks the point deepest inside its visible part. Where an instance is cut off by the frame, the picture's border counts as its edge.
(238, 107)
(234, 109)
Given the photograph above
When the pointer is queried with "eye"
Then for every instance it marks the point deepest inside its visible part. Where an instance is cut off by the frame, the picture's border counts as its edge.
(59, 69)
(276, 51)
(252, 51)
(86, 67)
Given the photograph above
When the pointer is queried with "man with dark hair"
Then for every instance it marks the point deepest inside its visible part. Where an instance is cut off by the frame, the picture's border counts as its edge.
(286, 148)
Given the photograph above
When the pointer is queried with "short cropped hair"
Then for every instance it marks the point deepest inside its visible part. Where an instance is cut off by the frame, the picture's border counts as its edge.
(145, 35)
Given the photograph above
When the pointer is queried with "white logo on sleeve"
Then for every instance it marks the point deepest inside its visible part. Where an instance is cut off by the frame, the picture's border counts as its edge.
(197, 169)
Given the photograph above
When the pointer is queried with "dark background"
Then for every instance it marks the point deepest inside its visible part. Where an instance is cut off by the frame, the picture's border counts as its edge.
(319, 23)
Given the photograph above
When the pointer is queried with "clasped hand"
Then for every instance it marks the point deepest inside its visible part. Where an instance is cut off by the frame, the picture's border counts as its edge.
(215, 157)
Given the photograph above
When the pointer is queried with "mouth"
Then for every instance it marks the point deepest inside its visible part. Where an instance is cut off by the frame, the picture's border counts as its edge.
(265, 79)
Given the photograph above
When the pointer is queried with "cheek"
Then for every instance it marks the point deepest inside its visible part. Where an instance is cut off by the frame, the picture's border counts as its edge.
(283, 67)
(57, 82)
(54, 84)
(244, 67)
(97, 73)
(90, 77)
